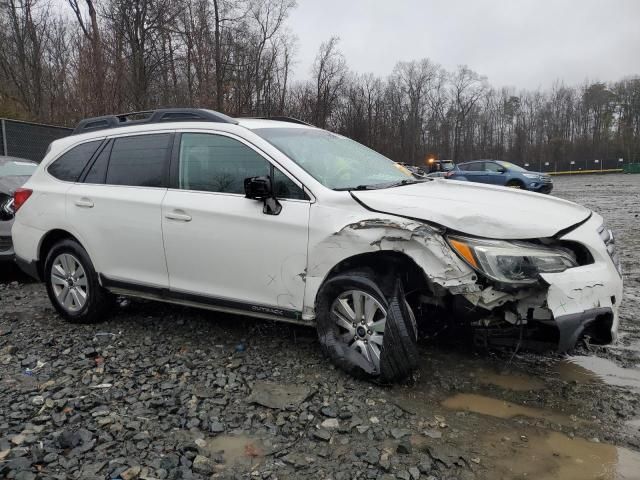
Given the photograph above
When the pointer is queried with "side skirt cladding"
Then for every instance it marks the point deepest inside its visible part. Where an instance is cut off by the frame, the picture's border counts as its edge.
(202, 301)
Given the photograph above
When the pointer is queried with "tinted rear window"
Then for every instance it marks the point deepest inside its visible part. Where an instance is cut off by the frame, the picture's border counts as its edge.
(69, 166)
(139, 160)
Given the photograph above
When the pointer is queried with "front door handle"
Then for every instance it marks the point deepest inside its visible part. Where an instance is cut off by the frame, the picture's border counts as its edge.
(84, 203)
(180, 217)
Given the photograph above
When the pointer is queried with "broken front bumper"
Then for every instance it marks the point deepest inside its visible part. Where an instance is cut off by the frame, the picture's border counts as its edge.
(589, 296)
(579, 301)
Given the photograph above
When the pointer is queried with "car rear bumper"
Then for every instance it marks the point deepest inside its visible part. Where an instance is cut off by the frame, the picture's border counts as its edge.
(6, 248)
(28, 267)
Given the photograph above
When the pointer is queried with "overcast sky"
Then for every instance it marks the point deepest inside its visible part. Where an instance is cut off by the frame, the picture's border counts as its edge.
(520, 43)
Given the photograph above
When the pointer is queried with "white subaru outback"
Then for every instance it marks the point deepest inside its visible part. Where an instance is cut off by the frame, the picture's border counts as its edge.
(280, 220)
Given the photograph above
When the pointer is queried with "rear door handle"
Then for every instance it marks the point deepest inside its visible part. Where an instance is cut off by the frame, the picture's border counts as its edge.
(180, 217)
(84, 203)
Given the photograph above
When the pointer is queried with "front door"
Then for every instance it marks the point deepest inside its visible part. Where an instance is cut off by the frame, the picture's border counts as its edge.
(494, 173)
(221, 247)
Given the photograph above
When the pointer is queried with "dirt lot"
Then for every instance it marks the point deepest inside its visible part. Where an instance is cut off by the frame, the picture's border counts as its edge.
(171, 392)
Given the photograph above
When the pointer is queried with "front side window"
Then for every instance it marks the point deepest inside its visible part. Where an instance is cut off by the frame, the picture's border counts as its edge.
(139, 160)
(69, 165)
(492, 167)
(335, 161)
(513, 167)
(215, 163)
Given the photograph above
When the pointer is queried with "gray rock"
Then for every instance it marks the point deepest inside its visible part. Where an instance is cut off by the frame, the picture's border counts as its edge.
(131, 473)
(322, 434)
(203, 465)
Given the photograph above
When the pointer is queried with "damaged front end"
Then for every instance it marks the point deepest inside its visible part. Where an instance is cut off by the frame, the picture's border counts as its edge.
(542, 292)
(539, 294)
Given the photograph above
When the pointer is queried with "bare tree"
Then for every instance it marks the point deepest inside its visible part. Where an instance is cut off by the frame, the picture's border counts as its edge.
(329, 70)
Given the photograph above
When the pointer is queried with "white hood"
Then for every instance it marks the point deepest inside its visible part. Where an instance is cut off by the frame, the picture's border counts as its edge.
(480, 210)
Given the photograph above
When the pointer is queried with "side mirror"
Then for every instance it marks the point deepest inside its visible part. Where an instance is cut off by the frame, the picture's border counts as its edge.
(260, 188)
(257, 188)
(502, 170)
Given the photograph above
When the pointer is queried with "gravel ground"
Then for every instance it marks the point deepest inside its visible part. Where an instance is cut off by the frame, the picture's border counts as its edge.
(169, 392)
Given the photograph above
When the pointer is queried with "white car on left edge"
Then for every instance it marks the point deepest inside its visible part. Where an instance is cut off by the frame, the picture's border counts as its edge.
(285, 221)
(14, 172)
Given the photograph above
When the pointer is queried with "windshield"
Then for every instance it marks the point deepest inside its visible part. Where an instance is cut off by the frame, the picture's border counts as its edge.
(17, 169)
(513, 166)
(447, 166)
(334, 160)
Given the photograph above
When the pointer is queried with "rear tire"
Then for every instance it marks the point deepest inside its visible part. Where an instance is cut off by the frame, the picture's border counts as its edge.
(73, 286)
(366, 327)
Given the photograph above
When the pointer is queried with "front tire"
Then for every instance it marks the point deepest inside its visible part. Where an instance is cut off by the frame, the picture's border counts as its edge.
(366, 327)
(73, 286)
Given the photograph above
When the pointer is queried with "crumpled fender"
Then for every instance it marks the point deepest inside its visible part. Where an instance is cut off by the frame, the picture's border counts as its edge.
(373, 232)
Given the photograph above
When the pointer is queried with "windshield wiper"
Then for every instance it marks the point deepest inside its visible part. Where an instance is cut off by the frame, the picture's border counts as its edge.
(359, 187)
(406, 181)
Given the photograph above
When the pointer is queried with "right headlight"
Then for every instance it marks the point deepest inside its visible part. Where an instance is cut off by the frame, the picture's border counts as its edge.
(516, 263)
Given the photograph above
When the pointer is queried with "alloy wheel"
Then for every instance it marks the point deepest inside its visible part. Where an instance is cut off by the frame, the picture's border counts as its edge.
(360, 320)
(69, 282)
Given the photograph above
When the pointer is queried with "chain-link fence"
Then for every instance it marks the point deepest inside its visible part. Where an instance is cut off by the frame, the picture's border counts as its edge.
(28, 140)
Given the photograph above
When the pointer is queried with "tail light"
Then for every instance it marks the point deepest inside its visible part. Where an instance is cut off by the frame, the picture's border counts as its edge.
(20, 196)
(450, 173)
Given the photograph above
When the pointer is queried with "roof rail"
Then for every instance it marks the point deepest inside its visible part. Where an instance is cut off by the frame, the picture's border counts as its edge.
(284, 119)
(151, 116)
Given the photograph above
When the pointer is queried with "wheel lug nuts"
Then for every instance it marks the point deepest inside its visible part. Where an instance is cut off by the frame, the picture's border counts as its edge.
(355, 324)
(369, 332)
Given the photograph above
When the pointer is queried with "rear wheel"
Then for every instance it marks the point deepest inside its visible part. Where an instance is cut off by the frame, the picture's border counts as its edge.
(366, 329)
(72, 284)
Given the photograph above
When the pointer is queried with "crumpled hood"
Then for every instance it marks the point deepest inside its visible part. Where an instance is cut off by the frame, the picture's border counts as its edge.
(479, 210)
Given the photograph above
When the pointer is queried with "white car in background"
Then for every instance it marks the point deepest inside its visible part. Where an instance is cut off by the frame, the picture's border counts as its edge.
(284, 221)
(14, 172)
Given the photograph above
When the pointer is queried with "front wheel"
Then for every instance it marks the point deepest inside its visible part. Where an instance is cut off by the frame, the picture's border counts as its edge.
(366, 329)
(72, 284)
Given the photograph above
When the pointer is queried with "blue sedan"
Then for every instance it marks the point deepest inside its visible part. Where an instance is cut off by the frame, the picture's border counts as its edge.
(496, 172)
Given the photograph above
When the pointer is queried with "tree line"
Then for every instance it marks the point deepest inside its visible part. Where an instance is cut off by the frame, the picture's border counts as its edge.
(63, 61)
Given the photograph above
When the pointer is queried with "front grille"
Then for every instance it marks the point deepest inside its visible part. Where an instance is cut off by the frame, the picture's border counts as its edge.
(5, 244)
(610, 242)
(545, 179)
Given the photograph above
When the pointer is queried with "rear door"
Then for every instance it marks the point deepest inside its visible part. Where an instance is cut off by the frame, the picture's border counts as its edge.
(473, 171)
(223, 248)
(116, 209)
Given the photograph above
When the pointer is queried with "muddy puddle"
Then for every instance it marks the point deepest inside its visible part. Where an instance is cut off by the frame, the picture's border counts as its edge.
(555, 456)
(236, 450)
(508, 380)
(495, 407)
(598, 370)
